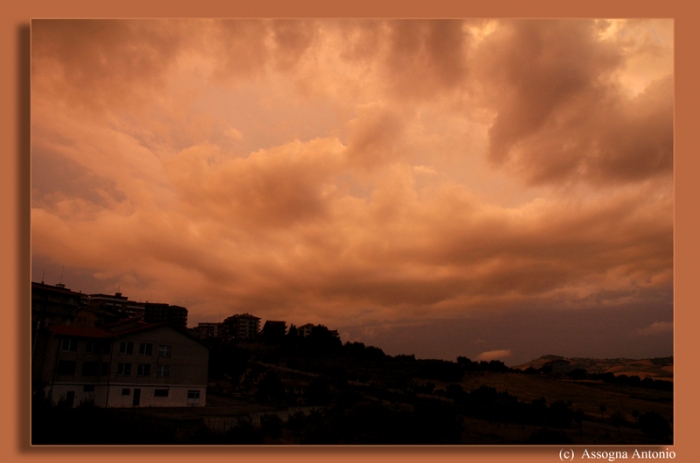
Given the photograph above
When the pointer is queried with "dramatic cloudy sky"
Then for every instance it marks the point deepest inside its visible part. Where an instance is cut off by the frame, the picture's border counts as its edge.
(488, 188)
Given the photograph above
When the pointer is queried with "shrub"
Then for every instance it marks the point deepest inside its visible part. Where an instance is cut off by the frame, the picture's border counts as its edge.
(654, 425)
(544, 436)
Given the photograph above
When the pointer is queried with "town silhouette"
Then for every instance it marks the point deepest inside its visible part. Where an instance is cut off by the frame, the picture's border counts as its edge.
(107, 370)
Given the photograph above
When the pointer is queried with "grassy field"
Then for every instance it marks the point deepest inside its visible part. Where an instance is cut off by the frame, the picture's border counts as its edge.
(587, 395)
(222, 411)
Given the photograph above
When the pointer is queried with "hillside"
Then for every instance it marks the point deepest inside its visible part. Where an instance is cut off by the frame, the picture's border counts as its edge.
(316, 390)
(654, 368)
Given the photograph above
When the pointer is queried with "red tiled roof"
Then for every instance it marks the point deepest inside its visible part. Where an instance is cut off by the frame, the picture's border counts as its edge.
(92, 332)
(141, 327)
(147, 327)
(80, 331)
(123, 321)
(106, 331)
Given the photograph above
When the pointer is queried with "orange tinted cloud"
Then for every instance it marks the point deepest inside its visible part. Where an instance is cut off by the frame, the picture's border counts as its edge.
(657, 328)
(353, 172)
(268, 188)
(427, 56)
(373, 136)
(494, 355)
(107, 64)
(562, 117)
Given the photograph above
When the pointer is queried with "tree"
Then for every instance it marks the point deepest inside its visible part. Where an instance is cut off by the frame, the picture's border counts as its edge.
(617, 420)
(270, 387)
(654, 425)
(40, 399)
(245, 432)
(578, 417)
(560, 415)
(228, 361)
(537, 411)
(271, 425)
(548, 437)
(455, 392)
(497, 365)
(635, 414)
(318, 392)
(467, 364)
(322, 340)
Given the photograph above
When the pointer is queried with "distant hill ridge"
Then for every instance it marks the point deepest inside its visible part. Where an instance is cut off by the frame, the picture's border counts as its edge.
(655, 368)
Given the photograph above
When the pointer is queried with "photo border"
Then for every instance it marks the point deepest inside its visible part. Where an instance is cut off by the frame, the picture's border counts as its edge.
(16, 205)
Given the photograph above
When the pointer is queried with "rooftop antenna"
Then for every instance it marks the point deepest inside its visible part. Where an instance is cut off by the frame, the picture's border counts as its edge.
(61, 280)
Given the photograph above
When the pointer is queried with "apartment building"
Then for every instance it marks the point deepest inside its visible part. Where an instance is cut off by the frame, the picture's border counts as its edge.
(54, 304)
(240, 326)
(131, 364)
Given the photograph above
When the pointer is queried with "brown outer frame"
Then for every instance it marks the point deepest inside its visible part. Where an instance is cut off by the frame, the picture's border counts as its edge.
(15, 178)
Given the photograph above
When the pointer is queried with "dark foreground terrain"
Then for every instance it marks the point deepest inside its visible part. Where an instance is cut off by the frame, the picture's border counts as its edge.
(318, 391)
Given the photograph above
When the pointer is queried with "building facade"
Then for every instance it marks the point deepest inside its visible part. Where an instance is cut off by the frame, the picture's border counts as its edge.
(206, 331)
(274, 330)
(173, 315)
(558, 367)
(305, 330)
(123, 365)
(53, 305)
(118, 304)
(244, 326)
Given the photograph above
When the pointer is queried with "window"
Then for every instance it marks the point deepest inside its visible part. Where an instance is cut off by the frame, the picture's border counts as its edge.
(89, 388)
(69, 345)
(163, 371)
(105, 368)
(143, 369)
(164, 351)
(126, 391)
(90, 369)
(105, 346)
(90, 346)
(145, 348)
(193, 397)
(160, 393)
(66, 367)
(126, 347)
(124, 369)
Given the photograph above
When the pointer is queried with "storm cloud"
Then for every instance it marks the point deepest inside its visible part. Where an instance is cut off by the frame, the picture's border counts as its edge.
(357, 172)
